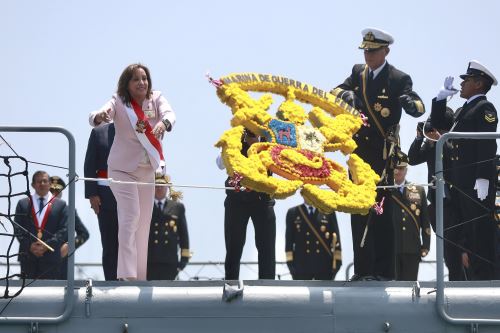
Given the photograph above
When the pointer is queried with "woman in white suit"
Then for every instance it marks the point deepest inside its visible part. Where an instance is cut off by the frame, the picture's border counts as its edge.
(141, 117)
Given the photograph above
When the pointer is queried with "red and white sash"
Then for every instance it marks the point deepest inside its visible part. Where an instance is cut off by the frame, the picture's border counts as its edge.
(40, 226)
(146, 138)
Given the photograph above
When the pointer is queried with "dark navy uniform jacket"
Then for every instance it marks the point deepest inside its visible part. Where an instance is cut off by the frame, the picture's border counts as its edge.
(168, 233)
(477, 116)
(303, 248)
(381, 101)
(411, 220)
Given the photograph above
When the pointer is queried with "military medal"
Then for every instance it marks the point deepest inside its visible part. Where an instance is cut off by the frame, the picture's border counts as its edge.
(417, 212)
(39, 234)
(172, 223)
(140, 126)
(323, 228)
(377, 107)
(413, 206)
(385, 112)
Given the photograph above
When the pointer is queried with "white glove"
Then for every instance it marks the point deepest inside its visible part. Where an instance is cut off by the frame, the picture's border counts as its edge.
(447, 90)
(220, 162)
(482, 188)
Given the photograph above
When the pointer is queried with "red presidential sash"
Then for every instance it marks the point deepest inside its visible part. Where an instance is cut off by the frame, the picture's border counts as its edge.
(40, 226)
(143, 130)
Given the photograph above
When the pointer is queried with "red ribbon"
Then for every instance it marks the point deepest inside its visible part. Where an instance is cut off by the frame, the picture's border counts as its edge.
(102, 173)
(379, 207)
(364, 119)
(149, 131)
(215, 82)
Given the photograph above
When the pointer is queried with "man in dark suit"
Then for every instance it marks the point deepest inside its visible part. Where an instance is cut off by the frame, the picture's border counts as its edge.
(312, 244)
(168, 234)
(412, 232)
(425, 151)
(240, 206)
(379, 91)
(100, 196)
(44, 216)
(473, 170)
(82, 234)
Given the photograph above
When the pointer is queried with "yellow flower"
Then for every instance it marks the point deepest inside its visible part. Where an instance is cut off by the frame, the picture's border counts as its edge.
(297, 153)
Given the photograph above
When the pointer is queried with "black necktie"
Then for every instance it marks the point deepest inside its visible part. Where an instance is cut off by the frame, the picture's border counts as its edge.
(159, 206)
(370, 77)
(311, 211)
(40, 207)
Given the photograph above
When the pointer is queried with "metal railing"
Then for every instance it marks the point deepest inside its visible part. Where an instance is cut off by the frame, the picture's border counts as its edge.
(440, 302)
(69, 292)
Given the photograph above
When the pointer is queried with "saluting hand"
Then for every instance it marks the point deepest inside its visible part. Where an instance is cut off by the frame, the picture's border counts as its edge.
(447, 90)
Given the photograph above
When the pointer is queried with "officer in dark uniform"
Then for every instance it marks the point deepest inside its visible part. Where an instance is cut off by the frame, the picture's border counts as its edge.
(82, 234)
(380, 91)
(472, 169)
(100, 196)
(425, 151)
(412, 232)
(312, 244)
(497, 218)
(240, 206)
(168, 234)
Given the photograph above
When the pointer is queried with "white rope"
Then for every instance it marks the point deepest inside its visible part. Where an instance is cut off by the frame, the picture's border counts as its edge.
(111, 180)
(405, 185)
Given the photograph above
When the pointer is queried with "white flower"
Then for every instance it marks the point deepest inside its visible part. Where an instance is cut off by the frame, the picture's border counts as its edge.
(310, 138)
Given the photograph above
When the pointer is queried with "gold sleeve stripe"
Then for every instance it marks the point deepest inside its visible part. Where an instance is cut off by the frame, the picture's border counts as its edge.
(420, 106)
(289, 256)
(185, 253)
(338, 255)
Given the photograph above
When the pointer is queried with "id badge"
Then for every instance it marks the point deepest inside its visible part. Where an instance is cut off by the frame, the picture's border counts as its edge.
(149, 113)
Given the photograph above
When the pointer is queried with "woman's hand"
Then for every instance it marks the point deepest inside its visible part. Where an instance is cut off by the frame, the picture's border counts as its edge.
(159, 130)
(102, 116)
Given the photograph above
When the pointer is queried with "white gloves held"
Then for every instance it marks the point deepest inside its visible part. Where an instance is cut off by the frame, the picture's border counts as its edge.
(481, 187)
(447, 90)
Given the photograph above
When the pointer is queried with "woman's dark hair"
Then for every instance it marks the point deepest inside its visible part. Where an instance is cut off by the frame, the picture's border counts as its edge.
(125, 78)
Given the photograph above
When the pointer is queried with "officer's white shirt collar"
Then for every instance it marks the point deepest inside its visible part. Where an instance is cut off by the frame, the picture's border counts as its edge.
(162, 202)
(36, 203)
(309, 208)
(474, 97)
(401, 186)
(378, 70)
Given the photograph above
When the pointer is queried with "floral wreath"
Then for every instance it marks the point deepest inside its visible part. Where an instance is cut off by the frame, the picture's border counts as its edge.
(295, 151)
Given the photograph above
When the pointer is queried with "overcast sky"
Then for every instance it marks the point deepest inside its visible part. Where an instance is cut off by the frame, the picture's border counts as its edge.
(62, 59)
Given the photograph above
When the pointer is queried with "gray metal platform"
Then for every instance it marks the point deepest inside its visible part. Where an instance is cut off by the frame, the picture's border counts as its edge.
(263, 306)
